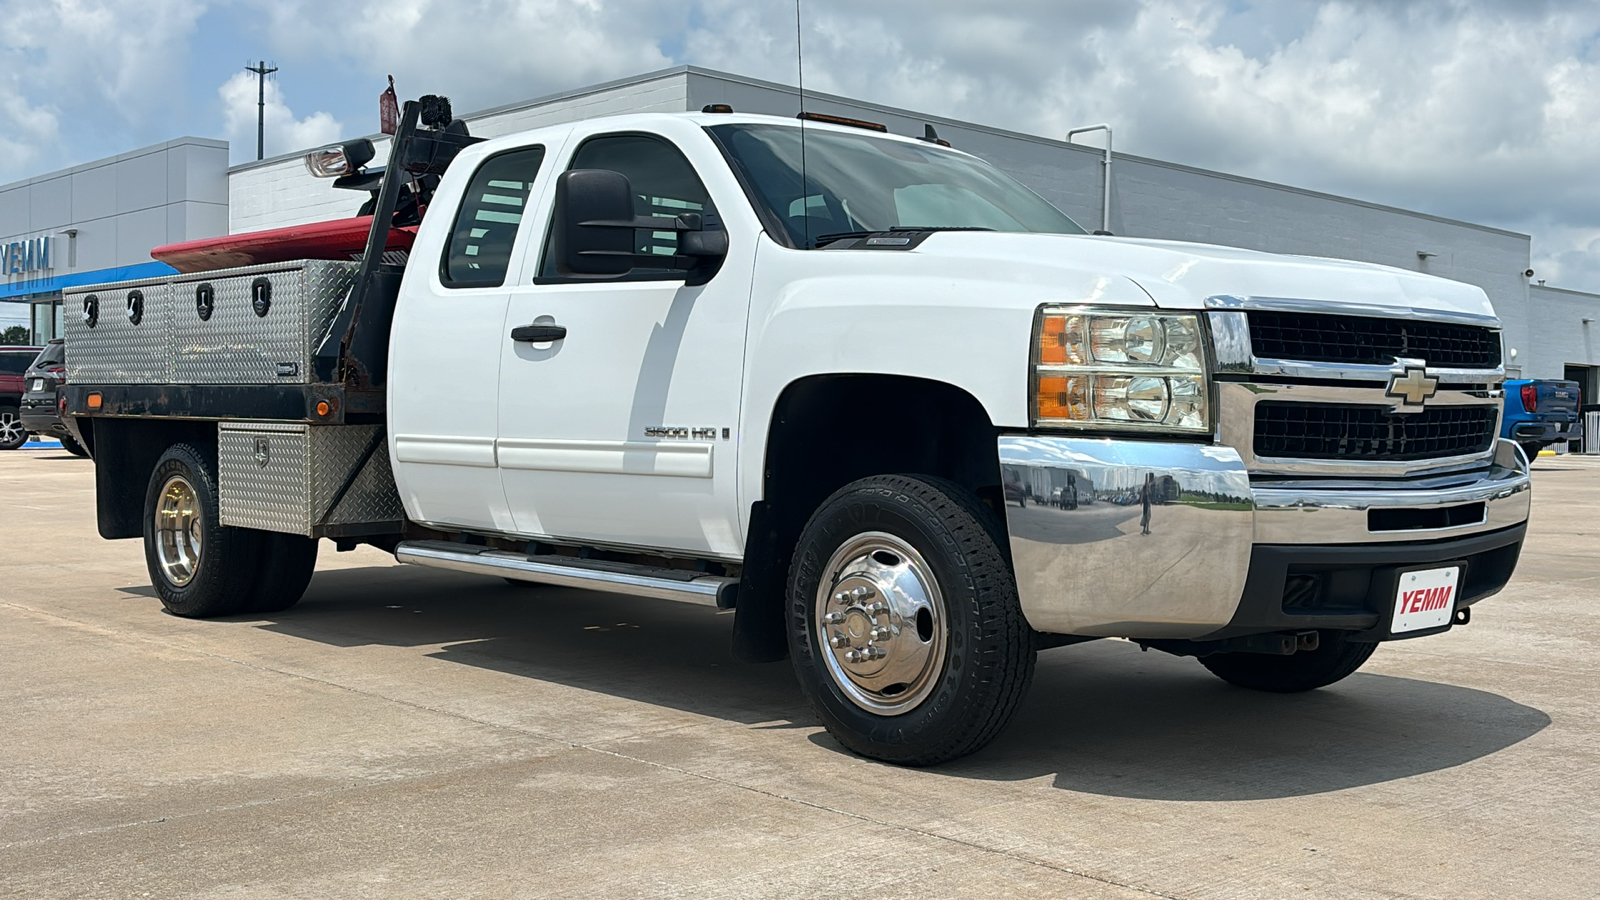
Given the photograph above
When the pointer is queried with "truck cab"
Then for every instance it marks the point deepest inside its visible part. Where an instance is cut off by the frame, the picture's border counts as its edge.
(910, 422)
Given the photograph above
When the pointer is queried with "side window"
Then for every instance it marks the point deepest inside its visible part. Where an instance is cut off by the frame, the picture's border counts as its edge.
(664, 184)
(479, 251)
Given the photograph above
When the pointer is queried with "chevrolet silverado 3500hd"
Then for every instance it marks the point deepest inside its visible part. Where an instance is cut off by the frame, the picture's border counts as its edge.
(899, 413)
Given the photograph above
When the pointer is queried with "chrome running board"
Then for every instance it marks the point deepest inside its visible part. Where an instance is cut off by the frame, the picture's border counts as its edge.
(566, 571)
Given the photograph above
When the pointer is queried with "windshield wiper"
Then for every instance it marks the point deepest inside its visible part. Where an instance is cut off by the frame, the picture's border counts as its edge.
(829, 238)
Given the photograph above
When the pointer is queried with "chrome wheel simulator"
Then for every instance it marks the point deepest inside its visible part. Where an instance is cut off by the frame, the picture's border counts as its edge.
(881, 618)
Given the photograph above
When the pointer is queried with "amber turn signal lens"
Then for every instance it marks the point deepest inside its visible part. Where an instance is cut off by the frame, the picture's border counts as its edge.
(1063, 398)
(323, 409)
(1061, 341)
(94, 401)
(1052, 343)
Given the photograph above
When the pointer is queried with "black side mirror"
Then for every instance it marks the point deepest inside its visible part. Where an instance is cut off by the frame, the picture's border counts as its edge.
(595, 228)
(594, 223)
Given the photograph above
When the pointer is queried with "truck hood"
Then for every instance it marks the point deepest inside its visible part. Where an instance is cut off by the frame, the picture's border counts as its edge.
(1180, 275)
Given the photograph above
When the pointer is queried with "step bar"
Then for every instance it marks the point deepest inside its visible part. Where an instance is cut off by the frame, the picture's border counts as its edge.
(565, 571)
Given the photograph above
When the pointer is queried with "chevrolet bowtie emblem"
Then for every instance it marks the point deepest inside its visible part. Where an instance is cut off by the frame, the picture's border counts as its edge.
(1413, 387)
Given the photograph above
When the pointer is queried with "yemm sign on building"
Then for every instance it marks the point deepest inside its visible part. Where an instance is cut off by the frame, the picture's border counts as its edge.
(25, 257)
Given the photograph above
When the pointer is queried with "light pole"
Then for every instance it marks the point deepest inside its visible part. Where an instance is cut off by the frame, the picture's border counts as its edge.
(262, 72)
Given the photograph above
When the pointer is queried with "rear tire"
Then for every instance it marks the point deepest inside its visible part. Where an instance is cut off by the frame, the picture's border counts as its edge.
(957, 656)
(199, 567)
(1335, 658)
(12, 434)
(1531, 451)
(287, 564)
(73, 447)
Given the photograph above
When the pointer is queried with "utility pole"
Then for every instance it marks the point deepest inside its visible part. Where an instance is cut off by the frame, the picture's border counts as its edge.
(262, 72)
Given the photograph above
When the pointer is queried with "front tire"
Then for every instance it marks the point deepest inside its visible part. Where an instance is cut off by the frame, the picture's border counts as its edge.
(1335, 658)
(73, 447)
(12, 434)
(1531, 451)
(905, 629)
(199, 567)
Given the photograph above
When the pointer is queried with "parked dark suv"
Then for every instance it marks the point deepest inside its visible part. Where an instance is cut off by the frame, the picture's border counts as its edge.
(14, 362)
(41, 401)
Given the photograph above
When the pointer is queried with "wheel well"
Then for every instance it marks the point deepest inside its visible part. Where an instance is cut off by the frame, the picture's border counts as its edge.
(125, 453)
(829, 430)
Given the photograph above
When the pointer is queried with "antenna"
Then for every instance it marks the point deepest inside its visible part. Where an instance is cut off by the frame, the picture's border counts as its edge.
(800, 74)
(262, 72)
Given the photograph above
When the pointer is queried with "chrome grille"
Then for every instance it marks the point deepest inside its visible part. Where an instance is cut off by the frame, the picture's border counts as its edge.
(1361, 340)
(1353, 432)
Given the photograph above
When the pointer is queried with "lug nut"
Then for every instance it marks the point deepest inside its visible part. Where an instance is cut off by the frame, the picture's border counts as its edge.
(833, 618)
(862, 593)
(839, 642)
(877, 609)
(880, 634)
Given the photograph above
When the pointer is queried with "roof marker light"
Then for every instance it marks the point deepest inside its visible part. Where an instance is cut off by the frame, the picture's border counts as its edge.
(841, 120)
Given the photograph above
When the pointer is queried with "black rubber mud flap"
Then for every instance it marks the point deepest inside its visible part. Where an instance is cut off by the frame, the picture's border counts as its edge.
(758, 619)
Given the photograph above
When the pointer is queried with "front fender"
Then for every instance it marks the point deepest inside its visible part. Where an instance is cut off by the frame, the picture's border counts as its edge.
(940, 319)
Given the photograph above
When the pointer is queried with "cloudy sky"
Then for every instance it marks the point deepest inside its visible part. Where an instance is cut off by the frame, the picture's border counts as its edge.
(1484, 110)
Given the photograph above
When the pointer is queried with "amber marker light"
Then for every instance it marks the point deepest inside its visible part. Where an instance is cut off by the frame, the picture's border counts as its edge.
(1061, 341)
(323, 409)
(1063, 398)
(95, 400)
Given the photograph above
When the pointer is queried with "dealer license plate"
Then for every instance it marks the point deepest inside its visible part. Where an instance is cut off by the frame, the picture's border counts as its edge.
(1426, 599)
(38, 384)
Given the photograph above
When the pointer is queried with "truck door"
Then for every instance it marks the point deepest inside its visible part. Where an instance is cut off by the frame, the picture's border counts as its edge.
(623, 432)
(445, 348)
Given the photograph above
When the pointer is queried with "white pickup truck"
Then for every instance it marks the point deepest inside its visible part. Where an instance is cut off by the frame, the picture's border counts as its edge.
(905, 418)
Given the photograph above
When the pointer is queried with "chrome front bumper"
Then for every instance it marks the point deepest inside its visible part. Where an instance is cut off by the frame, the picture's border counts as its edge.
(1122, 538)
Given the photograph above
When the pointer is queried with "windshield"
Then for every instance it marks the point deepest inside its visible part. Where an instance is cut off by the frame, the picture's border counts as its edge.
(860, 183)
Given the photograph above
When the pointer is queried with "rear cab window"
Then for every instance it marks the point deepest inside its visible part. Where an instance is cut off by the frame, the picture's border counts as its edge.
(478, 252)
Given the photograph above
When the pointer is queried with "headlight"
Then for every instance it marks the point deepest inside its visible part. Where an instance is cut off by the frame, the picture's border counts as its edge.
(1141, 370)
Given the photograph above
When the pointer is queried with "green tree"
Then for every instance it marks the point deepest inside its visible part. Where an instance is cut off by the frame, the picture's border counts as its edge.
(16, 334)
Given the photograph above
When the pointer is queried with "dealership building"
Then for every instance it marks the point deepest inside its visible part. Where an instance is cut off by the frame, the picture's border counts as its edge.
(98, 221)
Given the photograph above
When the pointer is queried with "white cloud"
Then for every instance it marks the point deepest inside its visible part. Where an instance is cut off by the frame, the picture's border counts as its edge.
(484, 52)
(1485, 110)
(70, 67)
(282, 132)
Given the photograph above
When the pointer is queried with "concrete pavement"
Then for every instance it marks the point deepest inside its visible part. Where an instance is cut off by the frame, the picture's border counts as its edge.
(414, 733)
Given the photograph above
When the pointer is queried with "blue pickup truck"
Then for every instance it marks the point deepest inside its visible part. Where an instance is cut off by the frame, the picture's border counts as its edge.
(1540, 413)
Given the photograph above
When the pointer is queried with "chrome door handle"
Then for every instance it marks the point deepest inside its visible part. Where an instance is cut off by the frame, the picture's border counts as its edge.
(538, 334)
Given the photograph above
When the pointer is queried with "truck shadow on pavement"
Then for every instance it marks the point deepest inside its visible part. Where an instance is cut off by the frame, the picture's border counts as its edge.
(1102, 718)
(654, 651)
(1106, 719)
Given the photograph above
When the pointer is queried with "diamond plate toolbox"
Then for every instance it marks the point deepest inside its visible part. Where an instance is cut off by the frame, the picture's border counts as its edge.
(255, 325)
(250, 325)
(283, 476)
(120, 333)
